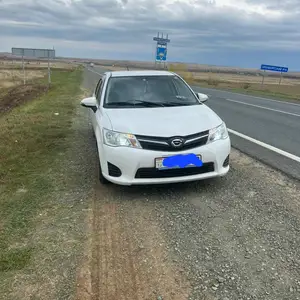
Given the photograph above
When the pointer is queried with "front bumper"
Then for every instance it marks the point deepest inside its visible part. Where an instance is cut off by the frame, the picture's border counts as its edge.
(130, 160)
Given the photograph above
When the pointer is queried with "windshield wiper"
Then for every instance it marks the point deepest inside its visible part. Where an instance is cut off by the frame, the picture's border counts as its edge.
(134, 102)
(179, 101)
(148, 102)
(175, 103)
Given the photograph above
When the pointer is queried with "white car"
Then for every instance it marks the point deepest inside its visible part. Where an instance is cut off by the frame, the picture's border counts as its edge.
(151, 128)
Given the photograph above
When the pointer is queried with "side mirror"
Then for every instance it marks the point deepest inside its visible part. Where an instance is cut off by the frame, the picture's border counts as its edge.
(90, 102)
(202, 97)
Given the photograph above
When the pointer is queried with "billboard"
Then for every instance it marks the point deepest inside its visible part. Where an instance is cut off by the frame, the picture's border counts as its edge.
(36, 53)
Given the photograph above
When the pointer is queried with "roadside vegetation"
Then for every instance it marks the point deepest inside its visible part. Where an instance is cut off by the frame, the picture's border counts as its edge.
(35, 135)
(280, 92)
(252, 85)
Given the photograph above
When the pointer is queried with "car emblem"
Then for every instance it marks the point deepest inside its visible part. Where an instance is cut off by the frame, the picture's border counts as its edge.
(177, 142)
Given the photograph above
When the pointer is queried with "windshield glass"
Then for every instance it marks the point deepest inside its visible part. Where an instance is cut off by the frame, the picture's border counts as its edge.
(148, 91)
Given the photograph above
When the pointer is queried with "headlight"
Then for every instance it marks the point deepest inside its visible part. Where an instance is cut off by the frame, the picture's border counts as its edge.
(218, 133)
(118, 139)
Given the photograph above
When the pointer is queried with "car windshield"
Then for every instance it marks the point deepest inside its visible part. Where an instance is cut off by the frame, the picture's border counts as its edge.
(148, 91)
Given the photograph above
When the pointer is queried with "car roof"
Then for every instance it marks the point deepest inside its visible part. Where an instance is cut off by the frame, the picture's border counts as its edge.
(139, 73)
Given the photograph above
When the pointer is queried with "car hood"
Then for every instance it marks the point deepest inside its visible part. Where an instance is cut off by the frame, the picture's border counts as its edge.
(163, 121)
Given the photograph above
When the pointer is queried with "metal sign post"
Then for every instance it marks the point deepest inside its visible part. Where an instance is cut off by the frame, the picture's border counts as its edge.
(34, 53)
(13, 71)
(49, 71)
(263, 79)
(23, 67)
(280, 78)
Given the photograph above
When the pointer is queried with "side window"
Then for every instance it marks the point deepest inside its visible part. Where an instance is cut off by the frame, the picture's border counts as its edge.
(99, 92)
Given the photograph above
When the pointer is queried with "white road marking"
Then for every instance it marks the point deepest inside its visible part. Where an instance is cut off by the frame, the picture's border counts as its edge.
(94, 71)
(267, 146)
(263, 107)
(273, 100)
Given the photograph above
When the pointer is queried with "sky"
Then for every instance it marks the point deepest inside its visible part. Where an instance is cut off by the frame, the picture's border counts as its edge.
(243, 33)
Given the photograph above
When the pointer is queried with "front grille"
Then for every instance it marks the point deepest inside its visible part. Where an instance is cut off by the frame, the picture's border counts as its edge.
(113, 170)
(155, 173)
(164, 143)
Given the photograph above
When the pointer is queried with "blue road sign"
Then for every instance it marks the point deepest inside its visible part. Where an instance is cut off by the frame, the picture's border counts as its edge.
(274, 68)
(161, 53)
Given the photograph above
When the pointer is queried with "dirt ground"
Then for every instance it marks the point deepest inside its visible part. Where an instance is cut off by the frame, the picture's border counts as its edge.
(19, 95)
(124, 264)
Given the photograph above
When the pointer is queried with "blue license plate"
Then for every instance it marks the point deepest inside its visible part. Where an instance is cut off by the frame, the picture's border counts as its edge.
(179, 161)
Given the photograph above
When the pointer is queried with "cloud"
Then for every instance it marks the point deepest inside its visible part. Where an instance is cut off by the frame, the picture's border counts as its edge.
(125, 27)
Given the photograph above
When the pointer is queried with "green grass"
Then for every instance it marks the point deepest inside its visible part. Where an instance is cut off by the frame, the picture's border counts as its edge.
(31, 138)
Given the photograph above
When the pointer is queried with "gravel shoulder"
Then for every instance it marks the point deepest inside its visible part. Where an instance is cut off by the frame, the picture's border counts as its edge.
(235, 237)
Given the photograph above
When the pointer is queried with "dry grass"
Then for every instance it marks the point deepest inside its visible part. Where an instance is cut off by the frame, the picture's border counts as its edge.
(11, 72)
(283, 91)
(242, 78)
(14, 77)
(13, 64)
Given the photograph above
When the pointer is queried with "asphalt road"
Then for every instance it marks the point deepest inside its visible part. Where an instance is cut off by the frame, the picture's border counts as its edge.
(275, 123)
(230, 238)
